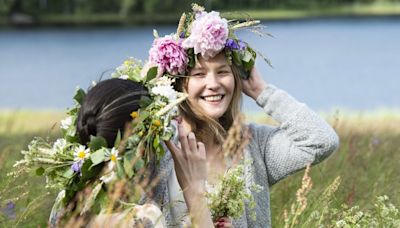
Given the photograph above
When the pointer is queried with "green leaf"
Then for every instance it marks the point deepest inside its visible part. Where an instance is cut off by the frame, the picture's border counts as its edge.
(40, 171)
(88, 171)
(151, 74)
(120, 170)
(236, 58)
(144, 101)
(79, 96)
(117, 139)
(139, 164)
(97, 142)
(68, 173)
(247, 56)
(143, 115)
(156, 142)
(98, 156)
(128, 166)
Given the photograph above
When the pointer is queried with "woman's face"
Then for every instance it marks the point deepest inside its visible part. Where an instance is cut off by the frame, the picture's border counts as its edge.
(211, 85)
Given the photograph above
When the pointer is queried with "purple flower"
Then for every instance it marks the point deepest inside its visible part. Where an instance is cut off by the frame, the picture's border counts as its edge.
(9, 210)
(169, 55)
(231, 44)
(242, 45)
(182, 35)
(76, 166)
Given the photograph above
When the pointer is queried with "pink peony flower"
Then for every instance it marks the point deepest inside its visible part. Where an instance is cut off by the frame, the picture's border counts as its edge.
(169, 55)
(208, 36)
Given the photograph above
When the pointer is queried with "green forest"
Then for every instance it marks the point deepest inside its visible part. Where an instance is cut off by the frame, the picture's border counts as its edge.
(168, 11)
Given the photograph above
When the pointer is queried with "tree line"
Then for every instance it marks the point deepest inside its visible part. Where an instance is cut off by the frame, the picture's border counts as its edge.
(128, 7)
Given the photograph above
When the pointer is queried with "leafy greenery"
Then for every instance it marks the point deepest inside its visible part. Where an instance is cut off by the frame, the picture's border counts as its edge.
(75, 12)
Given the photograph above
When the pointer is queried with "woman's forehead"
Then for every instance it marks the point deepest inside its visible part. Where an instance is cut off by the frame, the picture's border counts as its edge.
(218, 61)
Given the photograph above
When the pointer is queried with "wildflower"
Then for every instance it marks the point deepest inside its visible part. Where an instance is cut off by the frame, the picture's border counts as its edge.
(231, 44)
(112, 157)
(134, 115)
(157, 123)
(59, 145)
(165, 91)
(128, 62)
(208, 36)
(77, 166)
(169, 55)
(9, 210)
(81, 153)
(66, 123)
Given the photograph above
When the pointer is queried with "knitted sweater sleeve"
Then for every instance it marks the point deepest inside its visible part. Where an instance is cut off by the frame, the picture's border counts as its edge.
(301, 138)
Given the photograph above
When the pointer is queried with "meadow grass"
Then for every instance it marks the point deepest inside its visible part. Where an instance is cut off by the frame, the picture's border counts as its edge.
(367, 162)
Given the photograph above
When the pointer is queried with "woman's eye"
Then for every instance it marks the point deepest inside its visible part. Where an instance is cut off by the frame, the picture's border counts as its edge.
(198, 74)
(223, 72)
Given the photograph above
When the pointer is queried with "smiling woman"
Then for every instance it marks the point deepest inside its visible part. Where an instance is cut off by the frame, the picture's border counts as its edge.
(214, 90)
(219, 67)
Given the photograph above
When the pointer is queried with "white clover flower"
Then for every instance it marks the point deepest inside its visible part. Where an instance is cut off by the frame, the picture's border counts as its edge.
(165, 91)
(81, 153)
(66, 123)
(59, 145)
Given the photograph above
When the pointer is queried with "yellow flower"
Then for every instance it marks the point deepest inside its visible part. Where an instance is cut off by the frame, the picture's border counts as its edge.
(134, 115)
(140, 133)
(113, 158)
(157, 123)
(81, 154)
(128, 62)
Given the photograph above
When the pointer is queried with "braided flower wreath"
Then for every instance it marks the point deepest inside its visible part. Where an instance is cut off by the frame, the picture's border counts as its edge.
(71, 167)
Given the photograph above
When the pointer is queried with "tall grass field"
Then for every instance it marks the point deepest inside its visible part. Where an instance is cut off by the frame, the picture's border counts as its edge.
(358, 186)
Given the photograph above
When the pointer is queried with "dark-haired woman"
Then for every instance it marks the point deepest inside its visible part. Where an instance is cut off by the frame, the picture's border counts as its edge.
(106, 110)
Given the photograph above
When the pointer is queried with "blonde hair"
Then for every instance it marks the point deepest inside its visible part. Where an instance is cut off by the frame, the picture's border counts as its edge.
(203, 125)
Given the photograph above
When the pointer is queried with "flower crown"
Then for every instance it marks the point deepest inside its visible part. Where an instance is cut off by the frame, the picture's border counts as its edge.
(70, 166)
(207, 34)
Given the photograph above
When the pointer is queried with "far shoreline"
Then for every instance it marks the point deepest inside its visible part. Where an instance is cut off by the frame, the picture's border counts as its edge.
(370, 11)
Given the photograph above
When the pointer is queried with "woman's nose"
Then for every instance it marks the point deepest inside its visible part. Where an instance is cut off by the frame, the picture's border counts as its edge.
(212, 81)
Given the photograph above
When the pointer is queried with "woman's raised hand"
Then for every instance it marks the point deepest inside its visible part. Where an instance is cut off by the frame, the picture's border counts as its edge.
(191, 172)
(190, 162)
(254, 85)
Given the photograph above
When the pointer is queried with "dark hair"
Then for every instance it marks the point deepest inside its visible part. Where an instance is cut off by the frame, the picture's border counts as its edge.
(106, 109)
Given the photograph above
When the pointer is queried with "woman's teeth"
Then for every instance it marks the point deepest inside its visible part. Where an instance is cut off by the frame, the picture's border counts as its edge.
(213, 98)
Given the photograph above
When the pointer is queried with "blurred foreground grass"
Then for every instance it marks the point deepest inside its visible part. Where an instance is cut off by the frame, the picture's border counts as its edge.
(367, 161)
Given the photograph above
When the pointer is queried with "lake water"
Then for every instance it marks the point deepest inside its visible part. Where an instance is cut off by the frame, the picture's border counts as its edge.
(327, 64)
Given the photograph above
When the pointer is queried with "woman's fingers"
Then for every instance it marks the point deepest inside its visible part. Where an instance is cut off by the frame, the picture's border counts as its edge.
(183, 138)
(192, 142)
(173, 148)
(201, 149)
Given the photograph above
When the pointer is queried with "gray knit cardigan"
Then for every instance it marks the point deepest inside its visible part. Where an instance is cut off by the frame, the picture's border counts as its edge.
(301, 138)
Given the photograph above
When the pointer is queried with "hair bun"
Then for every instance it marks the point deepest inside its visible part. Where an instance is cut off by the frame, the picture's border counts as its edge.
(91, 125)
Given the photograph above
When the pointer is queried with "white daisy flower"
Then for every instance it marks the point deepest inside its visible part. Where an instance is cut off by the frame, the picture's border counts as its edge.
(125, 77)
(66, 123)
(112, 157)
(81, 153)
